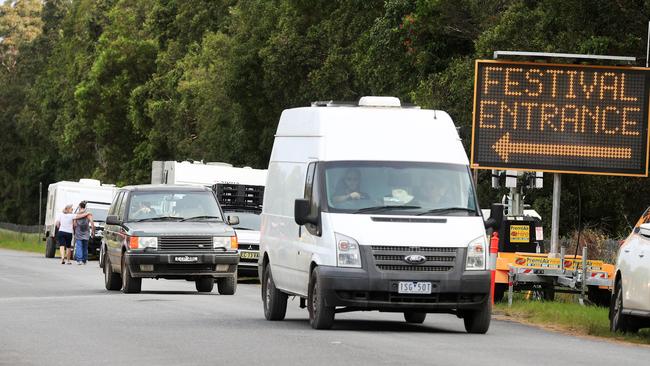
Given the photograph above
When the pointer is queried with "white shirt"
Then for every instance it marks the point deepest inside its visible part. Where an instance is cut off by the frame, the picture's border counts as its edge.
(65, 221)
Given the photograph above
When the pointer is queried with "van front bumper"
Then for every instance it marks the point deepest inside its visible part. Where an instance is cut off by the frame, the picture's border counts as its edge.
(181, 264)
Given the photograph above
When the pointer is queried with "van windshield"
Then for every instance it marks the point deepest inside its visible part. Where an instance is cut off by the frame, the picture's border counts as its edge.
(150, 206)
(399, 188)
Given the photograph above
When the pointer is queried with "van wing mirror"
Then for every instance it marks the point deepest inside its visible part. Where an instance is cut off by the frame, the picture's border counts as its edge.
(496, 217)
(113, 220)
(301, 211)
(233, 220)
(644, 229)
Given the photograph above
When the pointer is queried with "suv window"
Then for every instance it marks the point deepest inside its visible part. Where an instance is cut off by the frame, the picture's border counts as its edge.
(120, 207)
(173, 204)
(115, 203)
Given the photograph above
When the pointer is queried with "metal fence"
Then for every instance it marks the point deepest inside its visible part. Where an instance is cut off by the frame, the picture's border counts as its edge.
(30, 229)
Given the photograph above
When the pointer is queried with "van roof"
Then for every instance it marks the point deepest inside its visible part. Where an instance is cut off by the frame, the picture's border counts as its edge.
(167, 187)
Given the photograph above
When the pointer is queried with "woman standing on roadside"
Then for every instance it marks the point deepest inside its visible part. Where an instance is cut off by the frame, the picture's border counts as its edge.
(64, 233)
(84, 228)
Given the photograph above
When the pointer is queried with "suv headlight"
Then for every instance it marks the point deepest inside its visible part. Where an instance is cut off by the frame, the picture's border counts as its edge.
(141, 242)
(225, 242)
(347, 251)
(476, 251)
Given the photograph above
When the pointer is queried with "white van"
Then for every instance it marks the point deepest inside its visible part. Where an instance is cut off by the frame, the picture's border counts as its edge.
(371, 206)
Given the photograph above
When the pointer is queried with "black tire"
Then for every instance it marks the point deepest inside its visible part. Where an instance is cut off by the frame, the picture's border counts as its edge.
(101, 256)
(599, 297)
(50, 247)
(130, 284)
(414, 317)
(227, 285)
(321, 316)
(274, 300)
(204, 284)
(478, 321)
(112, 280)
(500, 290)
(619, 322)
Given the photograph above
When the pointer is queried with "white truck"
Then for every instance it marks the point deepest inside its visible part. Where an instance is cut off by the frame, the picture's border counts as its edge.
(98, 197)
(240, 192)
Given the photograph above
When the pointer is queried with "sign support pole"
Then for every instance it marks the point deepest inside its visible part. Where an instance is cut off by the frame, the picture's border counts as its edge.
(555, 218)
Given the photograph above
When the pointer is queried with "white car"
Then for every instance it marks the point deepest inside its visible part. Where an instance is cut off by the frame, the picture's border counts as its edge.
(630, 305)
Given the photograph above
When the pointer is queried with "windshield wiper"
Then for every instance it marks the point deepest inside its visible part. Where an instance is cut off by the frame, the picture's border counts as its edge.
(446, 209)
(201, 217)
(385, 208)
(159, 218)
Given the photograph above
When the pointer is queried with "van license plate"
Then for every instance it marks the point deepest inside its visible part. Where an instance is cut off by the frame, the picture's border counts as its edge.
(414, 287)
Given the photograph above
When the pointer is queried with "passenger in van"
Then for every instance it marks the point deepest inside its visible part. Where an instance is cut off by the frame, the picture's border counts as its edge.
(349, 187)
(434, 193)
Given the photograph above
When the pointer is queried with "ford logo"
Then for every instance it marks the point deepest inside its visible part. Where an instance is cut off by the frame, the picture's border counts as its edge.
(415, 259)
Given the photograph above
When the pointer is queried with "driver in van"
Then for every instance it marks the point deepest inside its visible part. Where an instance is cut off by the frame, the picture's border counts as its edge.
(349, 187)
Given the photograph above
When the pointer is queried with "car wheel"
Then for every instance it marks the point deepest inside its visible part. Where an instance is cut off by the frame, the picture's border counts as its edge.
(112, 280)
(478, 321)
(130, 285)
(321, 316)
(50, 247)
(227, 285)
(204, 284)
(274, 300)
(101, 256)
(414, 317)
(618, 321)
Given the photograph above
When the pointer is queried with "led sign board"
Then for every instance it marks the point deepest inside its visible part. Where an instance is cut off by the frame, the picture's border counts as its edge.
(560, 118)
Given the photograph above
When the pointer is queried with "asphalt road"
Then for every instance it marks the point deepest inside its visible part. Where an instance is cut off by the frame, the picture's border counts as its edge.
(53, 314)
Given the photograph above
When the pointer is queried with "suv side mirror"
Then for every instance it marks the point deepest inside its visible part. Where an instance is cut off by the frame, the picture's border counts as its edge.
(113, 220)
(301, 212)
(644, 229)
(233, 220)
(496, 217)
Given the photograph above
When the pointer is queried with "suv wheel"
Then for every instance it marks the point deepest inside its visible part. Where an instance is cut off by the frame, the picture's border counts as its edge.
(275, 301)
(619, 322)
(204, 284)
(112, 280)
(227, 285)
(320, 315)
(130, 285)
(101, 256)
(478, 321)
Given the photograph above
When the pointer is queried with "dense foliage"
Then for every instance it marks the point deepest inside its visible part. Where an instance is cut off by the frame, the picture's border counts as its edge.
(100, 88)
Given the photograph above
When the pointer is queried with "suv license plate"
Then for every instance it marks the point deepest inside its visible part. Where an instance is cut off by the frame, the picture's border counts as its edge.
(414, 287)
(186, 259)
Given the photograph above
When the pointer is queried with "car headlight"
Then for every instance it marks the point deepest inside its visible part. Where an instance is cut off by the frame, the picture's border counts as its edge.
(141, 242)
(476, 251)
(225, 242)
(347, 251)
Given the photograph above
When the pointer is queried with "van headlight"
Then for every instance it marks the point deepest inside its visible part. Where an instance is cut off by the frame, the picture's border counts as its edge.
(476, 251)
(347, 251)
(225, 242)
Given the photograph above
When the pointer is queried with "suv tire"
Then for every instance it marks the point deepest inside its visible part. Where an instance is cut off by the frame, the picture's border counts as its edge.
(321, 316)
(112, 280)
(274, 300)
(478, 321)
(619, 322)
(227, 285)
(414, 317)
(50, 247)
(130, 285)
(204, 284)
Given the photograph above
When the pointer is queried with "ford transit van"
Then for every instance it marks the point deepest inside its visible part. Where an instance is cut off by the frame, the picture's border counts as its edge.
(371, 206)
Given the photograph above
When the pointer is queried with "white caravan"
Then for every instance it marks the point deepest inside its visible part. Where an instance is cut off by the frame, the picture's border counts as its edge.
(99, 197)
(371, 206)
(239, 190)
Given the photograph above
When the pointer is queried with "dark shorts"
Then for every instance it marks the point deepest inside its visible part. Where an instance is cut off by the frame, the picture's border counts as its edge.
(64, 239)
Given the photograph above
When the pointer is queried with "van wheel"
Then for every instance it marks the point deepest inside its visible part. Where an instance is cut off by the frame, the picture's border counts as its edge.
(112, 280)
(227, 285)
(619, 322)
(50, 247)
(478, 321)
(320, 315)
(204, 284)
(130, 285)
(275, 301)
(414, 317)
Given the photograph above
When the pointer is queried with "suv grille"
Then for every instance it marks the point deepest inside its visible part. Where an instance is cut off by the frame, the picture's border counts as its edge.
(391, 258)
(185, 243)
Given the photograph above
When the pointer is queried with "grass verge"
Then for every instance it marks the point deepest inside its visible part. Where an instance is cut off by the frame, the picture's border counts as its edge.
(21, 241)
(568, 317)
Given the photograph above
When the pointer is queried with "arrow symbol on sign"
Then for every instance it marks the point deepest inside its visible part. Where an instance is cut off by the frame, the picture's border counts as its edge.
(504, 148)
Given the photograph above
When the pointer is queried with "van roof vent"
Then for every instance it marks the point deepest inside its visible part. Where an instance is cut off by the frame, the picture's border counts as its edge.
(379, 102)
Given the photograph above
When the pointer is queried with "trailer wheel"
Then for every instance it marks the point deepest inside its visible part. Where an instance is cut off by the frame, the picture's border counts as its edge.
(598, 296)
(500, 290)
(478, 321)
(50, 247)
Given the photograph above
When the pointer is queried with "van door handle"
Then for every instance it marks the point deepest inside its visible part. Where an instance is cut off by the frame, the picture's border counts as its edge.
(641, 255)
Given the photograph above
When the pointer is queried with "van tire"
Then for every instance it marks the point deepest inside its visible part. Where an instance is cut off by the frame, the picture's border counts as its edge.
(227, 285)
(274, 300)
(204, 284)
(414, 317)
(321, 316)
(478, 321)
(50, 247)
(130, 284)
(112, 280)
(619, 322)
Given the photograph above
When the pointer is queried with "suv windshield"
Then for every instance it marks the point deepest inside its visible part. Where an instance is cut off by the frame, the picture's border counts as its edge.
(399, 188)
(150, 206)
(247, 220)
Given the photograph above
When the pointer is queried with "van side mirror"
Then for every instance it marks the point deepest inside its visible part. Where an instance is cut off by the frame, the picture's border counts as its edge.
(496, 217)
(113, 220)
(301, 212)
(233, 220)
(644, 229)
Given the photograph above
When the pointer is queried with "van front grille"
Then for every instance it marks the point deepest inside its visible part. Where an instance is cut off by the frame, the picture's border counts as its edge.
(393, 258)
